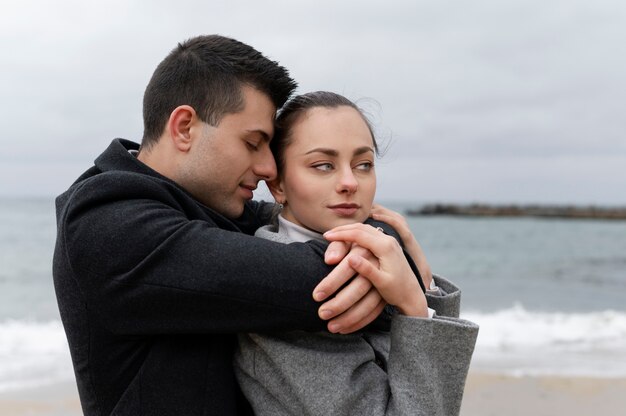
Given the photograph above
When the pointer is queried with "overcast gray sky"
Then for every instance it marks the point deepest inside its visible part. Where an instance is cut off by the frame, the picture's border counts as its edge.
(495, 101)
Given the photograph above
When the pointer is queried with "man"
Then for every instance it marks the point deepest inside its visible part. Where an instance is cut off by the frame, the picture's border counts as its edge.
(154, 266)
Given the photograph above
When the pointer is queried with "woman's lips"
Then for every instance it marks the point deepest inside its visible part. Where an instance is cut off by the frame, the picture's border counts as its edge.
(344, 210)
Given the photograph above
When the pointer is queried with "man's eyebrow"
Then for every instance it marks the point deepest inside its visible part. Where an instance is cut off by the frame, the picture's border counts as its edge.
(264, 136)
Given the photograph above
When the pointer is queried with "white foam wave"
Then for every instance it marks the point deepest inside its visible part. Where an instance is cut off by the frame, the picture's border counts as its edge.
(515, 341)
(33, 353)
(524, 342)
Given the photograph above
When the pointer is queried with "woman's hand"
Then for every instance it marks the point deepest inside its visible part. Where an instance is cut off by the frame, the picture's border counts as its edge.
(393, 278)
(398, 222)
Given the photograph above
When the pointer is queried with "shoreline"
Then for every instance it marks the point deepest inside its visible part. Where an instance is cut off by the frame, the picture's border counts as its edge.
(485, 394)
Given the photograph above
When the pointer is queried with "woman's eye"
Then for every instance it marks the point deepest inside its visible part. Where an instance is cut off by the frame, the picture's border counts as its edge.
(323, 166)
(365, 166)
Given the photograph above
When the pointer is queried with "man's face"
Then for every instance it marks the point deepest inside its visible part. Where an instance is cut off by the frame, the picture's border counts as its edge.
(225, 163)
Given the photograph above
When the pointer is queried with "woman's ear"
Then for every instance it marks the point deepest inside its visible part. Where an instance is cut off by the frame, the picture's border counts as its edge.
(179, 126)
(276, 188)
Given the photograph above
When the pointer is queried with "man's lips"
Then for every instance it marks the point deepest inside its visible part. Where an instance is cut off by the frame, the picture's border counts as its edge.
(248, 190)
(344, 210)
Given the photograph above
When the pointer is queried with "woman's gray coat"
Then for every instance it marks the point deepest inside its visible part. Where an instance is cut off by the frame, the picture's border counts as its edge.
(418, 368)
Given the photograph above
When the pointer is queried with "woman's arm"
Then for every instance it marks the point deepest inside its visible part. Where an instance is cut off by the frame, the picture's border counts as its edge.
(418, 369)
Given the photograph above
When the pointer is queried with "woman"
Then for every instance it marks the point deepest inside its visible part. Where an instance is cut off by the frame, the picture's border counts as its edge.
(325, 150)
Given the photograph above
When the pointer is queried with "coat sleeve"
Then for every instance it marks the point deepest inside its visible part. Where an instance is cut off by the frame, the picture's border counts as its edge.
(448, 302)
(143, 267)
(418, 369)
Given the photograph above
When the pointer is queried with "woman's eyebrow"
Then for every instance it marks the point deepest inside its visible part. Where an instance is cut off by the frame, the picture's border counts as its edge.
(362, 150)
(326, 151)
(333, 152)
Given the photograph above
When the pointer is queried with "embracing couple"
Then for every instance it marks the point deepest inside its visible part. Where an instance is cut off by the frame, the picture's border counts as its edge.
(180, 295)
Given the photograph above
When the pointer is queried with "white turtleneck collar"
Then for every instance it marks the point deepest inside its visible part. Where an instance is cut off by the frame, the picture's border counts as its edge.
(296, 232)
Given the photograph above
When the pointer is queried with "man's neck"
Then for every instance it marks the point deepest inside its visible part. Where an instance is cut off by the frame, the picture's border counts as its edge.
(159, 159)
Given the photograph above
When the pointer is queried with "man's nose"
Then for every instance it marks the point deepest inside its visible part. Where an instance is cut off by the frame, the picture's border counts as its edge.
(265, 166)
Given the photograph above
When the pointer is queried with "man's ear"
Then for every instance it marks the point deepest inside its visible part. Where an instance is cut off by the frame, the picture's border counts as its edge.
(179, 126)
(276, 188)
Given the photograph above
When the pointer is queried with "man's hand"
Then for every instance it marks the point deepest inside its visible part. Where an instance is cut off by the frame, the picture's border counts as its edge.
(390, 273)
(358, 303)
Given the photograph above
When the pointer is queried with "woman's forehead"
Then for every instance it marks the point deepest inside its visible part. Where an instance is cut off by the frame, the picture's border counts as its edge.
(331, 127)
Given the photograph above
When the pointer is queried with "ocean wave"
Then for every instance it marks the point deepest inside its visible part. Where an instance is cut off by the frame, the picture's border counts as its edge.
(513, 341)
(520, 341)
(33, 353)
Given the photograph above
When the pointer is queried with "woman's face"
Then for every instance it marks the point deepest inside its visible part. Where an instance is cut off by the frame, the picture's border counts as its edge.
(328, 177)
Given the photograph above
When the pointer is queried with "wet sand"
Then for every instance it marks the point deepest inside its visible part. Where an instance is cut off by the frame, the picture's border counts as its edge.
(485, 395)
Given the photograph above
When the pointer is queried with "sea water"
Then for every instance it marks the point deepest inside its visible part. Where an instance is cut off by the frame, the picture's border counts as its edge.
(549, 295)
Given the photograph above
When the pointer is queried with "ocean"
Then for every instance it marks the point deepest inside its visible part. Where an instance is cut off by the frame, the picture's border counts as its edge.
(549, 294)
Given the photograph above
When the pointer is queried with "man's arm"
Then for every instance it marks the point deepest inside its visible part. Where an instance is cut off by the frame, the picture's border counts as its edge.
(145, 268)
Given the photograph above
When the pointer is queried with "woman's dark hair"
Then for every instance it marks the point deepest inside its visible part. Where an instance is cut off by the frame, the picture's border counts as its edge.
(296, 108)
(206, 73)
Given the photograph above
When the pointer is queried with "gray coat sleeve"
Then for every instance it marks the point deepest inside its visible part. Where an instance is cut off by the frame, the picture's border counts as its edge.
(448, 302)
(419, 368)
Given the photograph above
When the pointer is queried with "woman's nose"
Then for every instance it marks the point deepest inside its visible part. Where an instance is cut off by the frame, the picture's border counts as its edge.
(347, 182)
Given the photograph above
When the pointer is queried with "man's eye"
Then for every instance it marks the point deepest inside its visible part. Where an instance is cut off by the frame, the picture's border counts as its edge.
(252, 145)
(323, 166)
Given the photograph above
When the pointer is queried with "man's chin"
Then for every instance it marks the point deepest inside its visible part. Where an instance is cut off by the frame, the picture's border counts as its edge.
(233, 212)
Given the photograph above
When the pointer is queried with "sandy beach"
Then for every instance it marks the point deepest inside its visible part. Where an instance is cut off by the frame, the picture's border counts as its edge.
(495, 394)
(485, 395)
(50, 400)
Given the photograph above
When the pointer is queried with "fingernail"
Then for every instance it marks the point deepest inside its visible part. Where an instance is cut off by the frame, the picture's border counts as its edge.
(325, 314)
(355, 261)
(330, 254)
(334, 328)
(319, 296)
(328, 233)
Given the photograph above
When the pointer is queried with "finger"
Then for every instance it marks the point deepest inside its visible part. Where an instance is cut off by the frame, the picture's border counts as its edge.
(367, 270)
(391, 220)
(333, 281)
(353, 226)
(367, 320)
(358, 313)
(390, 217)
(345, 298)
(336, 251)
(365, 236)
(380, 210)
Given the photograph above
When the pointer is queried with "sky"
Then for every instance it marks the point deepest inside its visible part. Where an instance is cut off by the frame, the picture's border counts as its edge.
(520, 101)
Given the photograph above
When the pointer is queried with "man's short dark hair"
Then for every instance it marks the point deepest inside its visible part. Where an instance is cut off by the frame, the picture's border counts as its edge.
(206, 73)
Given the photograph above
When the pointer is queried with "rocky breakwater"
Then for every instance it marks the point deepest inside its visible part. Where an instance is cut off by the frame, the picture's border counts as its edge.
(549, 211)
